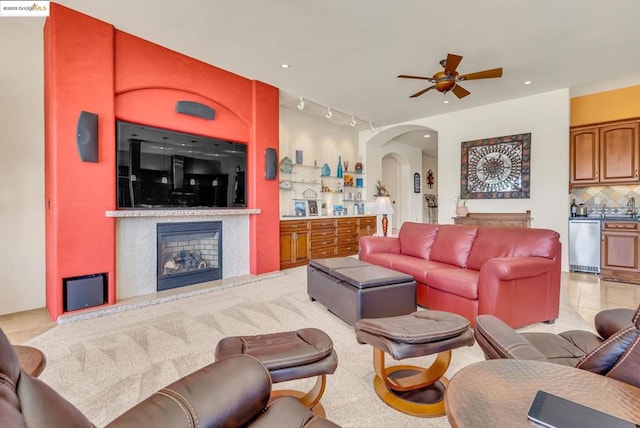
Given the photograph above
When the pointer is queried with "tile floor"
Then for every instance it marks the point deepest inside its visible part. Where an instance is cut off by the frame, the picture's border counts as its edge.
(586, 292)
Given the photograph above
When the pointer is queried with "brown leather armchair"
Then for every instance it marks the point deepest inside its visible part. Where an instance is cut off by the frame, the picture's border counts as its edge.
(614, 352)
(232, 392)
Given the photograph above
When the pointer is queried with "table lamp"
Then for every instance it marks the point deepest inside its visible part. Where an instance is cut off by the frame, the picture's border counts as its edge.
(384, 207)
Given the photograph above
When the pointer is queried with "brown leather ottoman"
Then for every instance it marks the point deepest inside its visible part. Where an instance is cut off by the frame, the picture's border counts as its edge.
(289, 355)
(353, 289)
(414, 390)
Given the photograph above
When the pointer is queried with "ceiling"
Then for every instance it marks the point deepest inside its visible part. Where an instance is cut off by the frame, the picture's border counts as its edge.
(346, 54)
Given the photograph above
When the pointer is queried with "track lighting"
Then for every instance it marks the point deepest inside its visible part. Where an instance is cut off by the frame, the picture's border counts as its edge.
(339, 117)
(329, 114)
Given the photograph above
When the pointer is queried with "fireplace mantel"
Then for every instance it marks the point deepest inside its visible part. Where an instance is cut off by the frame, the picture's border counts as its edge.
(182, 213)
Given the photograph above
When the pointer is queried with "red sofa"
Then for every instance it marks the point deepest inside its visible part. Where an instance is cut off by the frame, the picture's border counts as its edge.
(512, 273)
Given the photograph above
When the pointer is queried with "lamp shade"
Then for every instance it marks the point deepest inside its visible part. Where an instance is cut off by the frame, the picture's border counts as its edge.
(383, 205)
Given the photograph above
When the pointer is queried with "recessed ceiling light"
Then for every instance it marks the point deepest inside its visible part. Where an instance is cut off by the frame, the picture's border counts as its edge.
(528, 82)
(427, 135)
(446, 101)
(284, 65)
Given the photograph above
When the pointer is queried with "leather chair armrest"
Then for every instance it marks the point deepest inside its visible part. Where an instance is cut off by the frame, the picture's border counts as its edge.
(499, 341)
(378, 244)
(610, 321)
(509, 268)
(229, 392)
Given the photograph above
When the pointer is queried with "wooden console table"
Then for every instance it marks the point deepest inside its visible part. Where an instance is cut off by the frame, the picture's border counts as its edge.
(496, 219)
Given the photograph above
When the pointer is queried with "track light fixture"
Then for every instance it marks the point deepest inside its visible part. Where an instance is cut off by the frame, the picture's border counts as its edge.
(329, 114)
(339, 117)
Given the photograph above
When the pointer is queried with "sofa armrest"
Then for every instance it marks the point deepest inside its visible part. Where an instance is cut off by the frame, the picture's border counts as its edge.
(498, 340)
(229, 392)
(510, 268)
(378, 244)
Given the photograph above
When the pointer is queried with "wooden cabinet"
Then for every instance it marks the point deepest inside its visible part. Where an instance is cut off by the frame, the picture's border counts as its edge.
(619, 153)
(347, 234)
(294, 243)
(496, 219)
(584, 154)
(367, 226)
(302, 240)
(605, 154)
(620, 245)
(323, 238)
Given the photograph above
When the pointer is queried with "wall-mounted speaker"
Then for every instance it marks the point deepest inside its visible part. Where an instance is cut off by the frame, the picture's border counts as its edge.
(193, 108)
(271, 164)
(87, 136)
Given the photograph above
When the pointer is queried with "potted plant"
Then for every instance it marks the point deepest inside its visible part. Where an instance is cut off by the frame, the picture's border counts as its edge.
(461, 207)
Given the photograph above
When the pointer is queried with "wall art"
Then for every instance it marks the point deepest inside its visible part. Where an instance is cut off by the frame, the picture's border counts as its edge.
(496, 168)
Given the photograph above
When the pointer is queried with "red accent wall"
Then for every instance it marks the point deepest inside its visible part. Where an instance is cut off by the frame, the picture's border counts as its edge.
(91, 66)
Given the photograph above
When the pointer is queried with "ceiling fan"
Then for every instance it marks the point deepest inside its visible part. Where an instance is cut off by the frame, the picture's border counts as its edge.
(447, 80)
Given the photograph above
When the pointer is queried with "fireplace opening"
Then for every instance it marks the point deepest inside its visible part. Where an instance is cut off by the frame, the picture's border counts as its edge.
(188, 253)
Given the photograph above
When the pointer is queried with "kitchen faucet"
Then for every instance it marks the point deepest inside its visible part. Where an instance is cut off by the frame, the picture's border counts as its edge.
(632, 203)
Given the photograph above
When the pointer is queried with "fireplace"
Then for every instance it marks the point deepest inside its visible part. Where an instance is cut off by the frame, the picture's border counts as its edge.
(188, 253)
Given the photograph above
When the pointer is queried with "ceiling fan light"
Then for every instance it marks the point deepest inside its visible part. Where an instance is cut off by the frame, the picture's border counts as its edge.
(301, 104)
(353, 121)
(329, 114)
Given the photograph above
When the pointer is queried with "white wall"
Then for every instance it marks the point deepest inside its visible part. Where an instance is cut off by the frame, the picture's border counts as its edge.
(546, 116)
(22, 279)
(428, 163)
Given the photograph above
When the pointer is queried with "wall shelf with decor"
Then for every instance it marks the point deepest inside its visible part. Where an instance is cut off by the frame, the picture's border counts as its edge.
(300, 182)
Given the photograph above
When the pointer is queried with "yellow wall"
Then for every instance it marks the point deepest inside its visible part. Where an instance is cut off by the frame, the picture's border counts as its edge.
(606, 106)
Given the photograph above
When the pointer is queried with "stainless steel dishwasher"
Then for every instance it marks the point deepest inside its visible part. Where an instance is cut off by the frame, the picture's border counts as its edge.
(584, 245)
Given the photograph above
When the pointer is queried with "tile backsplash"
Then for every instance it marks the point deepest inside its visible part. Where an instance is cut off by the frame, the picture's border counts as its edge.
(613, 199)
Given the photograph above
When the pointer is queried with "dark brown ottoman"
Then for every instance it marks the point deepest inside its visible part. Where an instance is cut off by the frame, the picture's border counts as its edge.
(414, 390)
(289, 355)
(353, 289)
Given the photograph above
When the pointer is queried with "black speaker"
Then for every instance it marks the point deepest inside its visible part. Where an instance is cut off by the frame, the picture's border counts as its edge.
(84, 292)
(87, 136)
(271, 164)
(193, 108)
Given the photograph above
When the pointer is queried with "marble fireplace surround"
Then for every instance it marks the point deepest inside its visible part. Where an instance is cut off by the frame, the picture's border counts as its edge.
(136, 244)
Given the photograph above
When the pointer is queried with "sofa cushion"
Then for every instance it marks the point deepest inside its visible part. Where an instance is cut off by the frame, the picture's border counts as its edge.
(461, 282)
(416, 239)
(382, 259)
(511, 242)
(453, 244)
(417, 268)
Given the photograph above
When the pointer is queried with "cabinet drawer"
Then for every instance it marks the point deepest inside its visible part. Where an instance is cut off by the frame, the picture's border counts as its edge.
(323, 241)
(347, 249)
(621, 226)
(323, 224)
(347, 230)
(323, 233)
(367, 221)
(294, 225)
(347, 222)
(323, 252)
(348, 239)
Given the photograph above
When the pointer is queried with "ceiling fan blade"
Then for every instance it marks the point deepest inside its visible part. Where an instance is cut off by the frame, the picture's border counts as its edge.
(406, 76)
(417, 94)
(486, 74)
(459, 91)
(451, 64)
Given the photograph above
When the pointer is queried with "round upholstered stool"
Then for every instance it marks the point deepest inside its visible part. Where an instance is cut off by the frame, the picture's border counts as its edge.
(414, 390)
(289, 355)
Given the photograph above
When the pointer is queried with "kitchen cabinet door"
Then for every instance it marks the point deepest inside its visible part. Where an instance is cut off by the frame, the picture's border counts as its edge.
(294, 243)
(585, 164)
(620, 251)
(619, 151)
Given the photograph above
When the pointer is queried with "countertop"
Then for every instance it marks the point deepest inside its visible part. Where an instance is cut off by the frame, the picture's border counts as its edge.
(611, 218)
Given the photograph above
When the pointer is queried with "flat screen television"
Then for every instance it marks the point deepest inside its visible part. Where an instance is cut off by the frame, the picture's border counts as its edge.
(158, 168)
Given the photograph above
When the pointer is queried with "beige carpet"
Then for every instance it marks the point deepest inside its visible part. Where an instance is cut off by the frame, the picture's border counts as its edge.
(107, 364)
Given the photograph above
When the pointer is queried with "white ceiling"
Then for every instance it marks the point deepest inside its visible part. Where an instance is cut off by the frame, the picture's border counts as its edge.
(346, 54)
